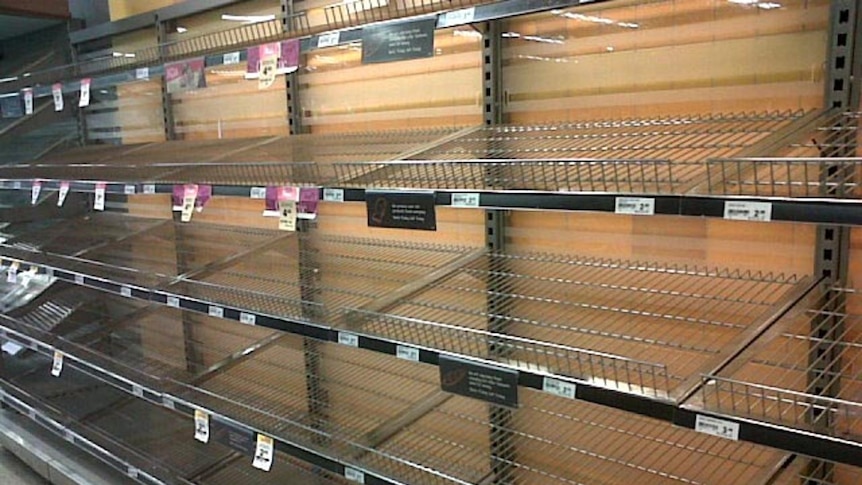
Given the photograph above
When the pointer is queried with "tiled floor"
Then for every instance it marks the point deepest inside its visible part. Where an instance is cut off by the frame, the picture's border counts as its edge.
(14, 472)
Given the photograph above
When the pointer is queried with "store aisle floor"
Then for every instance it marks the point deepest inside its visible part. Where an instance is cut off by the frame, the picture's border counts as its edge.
(13, 471)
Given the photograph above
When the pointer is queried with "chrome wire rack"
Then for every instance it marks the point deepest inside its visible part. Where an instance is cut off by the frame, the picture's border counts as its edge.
(819, 160)
(661, 155)
(389, 416)
(804, 374)
(636, 326)
(821, 472)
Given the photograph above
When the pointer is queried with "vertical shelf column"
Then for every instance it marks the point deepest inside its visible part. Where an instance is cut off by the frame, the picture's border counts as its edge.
(294, 112)
(167, 105)
(832, 245)
(503, 451)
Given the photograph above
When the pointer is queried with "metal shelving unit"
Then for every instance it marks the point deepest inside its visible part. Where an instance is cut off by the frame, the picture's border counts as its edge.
(401, 426)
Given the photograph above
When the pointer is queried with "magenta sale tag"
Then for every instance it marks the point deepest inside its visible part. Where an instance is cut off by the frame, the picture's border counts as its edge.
(308, 199)
(204, 194)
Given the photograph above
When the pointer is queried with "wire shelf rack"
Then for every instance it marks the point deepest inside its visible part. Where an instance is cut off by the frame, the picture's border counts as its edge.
(819, 160)
(635, 326)
(389, 416)
(819, 473)
(662, 155)
(805, 376)
(359, 12)
(284, 470)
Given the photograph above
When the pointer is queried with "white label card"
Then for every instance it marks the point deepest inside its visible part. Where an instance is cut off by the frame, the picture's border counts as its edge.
(79, 279)
(717, 427)
(149, 188)
(247, 318)
(35, 190)
(142, 73)
(99, 201)
(132, 472)
(168, 402)
(333, 195)
(57, 92)
(126, 291)
(64, 191)
(28, 101)
(328, 40)
(287, 215)
(16, 184)
(216, 311)
(559, 388)
(231, 58)
(190, 194)
(638, 206)
(202, 426)
(129, 189)
(263, 453)
(407, 353)
(457, 17)
(57, 365)
(84, 100)
(465, 200)
(747, 211)
(258, 193)
(137, 391)
(348, 339)
(68, 436)
(354, 475)
(173, 301)
(12, 272)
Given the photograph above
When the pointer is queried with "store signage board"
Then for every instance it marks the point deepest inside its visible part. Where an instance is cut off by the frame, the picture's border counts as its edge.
(495, 385)
(11, 106)
(402, 210)
(398, 42)
(234, 437)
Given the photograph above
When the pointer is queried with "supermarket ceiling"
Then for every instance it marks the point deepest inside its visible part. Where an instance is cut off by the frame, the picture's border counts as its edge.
(21, 17)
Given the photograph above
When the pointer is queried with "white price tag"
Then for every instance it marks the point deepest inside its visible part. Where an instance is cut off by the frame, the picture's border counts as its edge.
(216, 311)
(263, 453)
(465, 200)
(79, 279)
(638, 206)
(99, 201)
(142, 73)
(16, 185)
(149, 189)
(132, 472)
(287, 215)
(457, 17)
(348, 339)
(202, 426)
(354, 475)
(125, 291)
(137, 390)
(68, 436)
(328, 40)
(129, 190)
(168, 402)
(747, 211)
(173, 301)
(84, 100)
(12, 272)
(57, 92)
(717, 427)
(35, 190)
(64, 191)
(57, 365)
(247, 318)
(559, 388)
(230, 58)
(258, 193)
(28, 101)
(190, 194)
(333, 195)
(407, 353)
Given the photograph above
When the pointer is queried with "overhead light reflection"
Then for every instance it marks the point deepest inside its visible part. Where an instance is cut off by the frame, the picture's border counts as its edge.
(595, 19)
(248, 19)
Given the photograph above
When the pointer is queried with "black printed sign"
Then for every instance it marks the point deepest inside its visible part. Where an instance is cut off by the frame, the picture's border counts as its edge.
(495, 385)
(234, 437)
(401, 210)
(398, 42)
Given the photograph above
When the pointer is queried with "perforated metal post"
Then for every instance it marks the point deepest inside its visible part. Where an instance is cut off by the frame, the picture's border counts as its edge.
(294, 113)
(502, 439)
(167, 105)
(842, 92)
